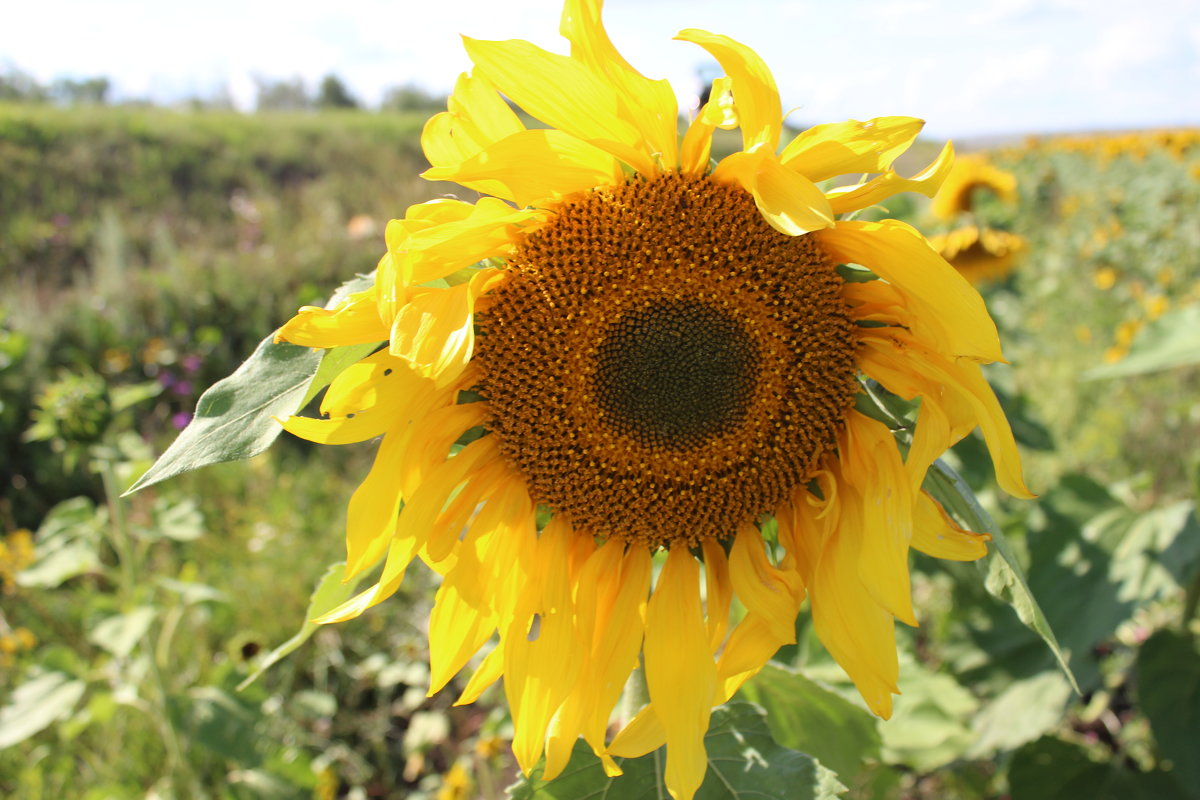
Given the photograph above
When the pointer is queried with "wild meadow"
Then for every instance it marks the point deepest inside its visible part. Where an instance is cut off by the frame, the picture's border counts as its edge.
(157, 645)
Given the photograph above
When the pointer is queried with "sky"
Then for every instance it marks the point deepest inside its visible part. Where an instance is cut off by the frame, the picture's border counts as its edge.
(970, 69)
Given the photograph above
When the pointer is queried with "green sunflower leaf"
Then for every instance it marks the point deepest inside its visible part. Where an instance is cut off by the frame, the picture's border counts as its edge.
(1003, 576)
(743, 762)
(808, 717)
(235, 418)
(37, 704)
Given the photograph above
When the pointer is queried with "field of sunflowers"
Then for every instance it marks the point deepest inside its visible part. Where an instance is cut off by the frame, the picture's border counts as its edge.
(158, 644)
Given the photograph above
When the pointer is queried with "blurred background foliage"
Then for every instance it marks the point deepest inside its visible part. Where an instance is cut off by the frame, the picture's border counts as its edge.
(145, 252)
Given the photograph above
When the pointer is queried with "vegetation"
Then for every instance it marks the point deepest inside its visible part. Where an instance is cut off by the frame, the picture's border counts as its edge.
(144, 253)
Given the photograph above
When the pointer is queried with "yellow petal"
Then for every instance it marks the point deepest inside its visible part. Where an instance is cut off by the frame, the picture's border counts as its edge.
(762, 588)
(356, 605)
(541, 665)
(718, 592)
(788, 201)
(477, 117)
(613, 589)
(458, 625)
(882, 488)
(651, 104)
(425, 250)
(857, 631)
(842, 148)
(374, 506)
(375, 379)
(536, 166)
(949, 309)
(488, 673)
(565, 94)
(897, 350)
(935, 534)
(435, 330)
(680, 673)
(718, 112)
(846, 199)
(354, 321)
(754, 89)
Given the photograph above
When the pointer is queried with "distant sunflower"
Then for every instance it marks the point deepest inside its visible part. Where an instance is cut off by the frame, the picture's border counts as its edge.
(980, 254)
(621, 356)
(969, 174)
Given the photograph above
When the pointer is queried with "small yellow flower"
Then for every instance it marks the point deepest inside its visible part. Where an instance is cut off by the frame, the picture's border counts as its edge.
(1156, 305)
(1083, 334)
(456, 784)
(488, 747)
(1105, 278)
(16, 553)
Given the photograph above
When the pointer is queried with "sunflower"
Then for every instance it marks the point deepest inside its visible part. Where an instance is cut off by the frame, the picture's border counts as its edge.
(980, 254)
(971, 173)
(619, 391)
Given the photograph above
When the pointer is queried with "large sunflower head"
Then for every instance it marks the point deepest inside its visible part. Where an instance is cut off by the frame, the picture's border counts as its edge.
(603, 378)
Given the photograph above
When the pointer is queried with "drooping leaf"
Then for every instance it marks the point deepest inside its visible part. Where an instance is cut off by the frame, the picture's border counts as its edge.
(329, 593)
(744, 762)
(1168, 684)
(1003, 576)
(235, 418)
(37, 704)
(803, 715)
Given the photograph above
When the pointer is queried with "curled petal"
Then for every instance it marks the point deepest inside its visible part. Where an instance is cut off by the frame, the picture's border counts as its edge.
(843, 148)
(754, 89)
(536, 166)
(926, 182)
(651, 103)
(788, 201)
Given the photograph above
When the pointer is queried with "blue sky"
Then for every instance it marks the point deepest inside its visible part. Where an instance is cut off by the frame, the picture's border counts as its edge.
(969, 69)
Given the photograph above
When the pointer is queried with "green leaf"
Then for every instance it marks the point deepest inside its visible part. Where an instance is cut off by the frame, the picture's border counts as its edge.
(805, 716)
(1021, 713)
(219, 722)
(1003, 576)
(179, 520)
(930, 726)
(1168, 684)
(235, 418)
(67, 545)
(1172, 340)
(744, 762)
(120, 633)
(37, 704)
(329, 593)
(1051, 769)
